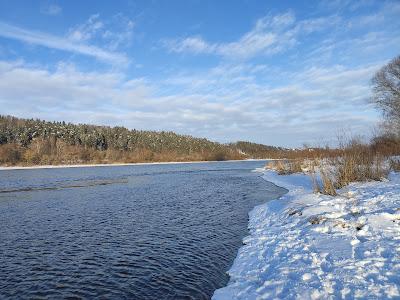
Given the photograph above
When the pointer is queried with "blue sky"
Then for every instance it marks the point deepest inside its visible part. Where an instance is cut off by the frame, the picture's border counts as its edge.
(274, 72)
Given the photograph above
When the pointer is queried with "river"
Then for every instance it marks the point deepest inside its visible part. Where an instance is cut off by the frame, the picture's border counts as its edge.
(125, 232)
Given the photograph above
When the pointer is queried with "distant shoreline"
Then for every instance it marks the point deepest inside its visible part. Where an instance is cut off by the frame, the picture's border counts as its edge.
(3, 168)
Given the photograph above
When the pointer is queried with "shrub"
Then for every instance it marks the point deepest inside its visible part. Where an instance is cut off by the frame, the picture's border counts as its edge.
(358, 163)
(218, 156)
(285, 167)
(10, 154)
(328, 185)
(354, 161)
(387, 144)
(394, 164)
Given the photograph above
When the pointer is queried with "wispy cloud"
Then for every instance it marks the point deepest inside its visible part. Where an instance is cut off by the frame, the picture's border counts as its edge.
(87, 30)
(51, 9)
(271, 34)
(194, 44)
(113, 33)
(60, 43)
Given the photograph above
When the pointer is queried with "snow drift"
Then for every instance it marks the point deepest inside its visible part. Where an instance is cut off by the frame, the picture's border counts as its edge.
(311, 246)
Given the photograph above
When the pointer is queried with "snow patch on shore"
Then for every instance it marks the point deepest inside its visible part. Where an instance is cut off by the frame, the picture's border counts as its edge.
(311, 246)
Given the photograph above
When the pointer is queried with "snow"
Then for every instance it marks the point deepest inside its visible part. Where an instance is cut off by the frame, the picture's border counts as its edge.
(312, 246)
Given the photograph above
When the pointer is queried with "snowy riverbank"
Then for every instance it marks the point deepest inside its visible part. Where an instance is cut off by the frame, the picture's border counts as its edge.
(309, 246)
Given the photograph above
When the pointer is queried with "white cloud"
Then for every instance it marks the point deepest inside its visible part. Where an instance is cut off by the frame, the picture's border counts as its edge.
(315, 102)
(60, 43)
(113, 33)
(271, 34)
(190, 44)
(51, 9)
(250, 44)
(327, 99)
(86, 31)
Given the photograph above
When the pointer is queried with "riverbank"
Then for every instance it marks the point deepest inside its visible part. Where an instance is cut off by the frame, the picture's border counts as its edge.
(312, 246)
(3, 168)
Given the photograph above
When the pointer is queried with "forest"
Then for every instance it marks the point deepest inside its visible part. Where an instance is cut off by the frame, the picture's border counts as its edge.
(38, 142)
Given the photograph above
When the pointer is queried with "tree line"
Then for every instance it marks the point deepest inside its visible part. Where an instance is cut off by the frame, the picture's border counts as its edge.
(34, 141)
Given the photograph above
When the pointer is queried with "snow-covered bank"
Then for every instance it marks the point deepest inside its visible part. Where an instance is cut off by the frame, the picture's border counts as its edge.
(118, 164)
(309, 246)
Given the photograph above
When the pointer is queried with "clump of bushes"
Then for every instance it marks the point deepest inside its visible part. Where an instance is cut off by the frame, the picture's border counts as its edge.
(328, 186)
(286, 167)
(394, 164)
(359, 162)
(353, 161)
(10, 154)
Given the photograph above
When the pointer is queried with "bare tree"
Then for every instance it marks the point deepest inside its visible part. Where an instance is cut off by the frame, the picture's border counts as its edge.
(386, 88)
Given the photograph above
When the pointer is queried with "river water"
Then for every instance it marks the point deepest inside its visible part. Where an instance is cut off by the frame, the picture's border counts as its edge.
(128, 232)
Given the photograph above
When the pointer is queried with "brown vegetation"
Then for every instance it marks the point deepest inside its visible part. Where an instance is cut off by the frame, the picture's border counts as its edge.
(57, 152)
(328, 187)
(36, 142)
(353, 161)
(358, 163)
(394, 164)
(285, 166)
(10, 154)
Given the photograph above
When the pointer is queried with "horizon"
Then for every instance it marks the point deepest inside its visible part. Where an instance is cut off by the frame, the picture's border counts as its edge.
(281, 73)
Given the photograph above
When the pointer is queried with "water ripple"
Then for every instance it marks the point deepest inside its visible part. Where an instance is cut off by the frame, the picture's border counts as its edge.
(145, 232)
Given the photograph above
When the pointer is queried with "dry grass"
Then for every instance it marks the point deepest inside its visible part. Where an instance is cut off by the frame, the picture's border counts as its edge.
(394, 164)
(328, 186)
(352, 162)
(359, 163)
(286, 167)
